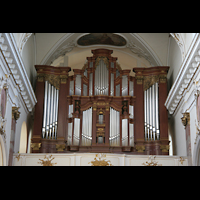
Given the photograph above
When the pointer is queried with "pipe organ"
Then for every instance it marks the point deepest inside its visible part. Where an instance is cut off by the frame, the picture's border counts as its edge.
(101, 108)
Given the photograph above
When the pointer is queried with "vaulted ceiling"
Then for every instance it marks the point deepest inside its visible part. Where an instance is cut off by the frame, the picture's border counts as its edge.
(140, 50)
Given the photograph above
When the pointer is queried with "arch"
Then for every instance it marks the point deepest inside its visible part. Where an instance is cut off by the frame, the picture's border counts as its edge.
(23, 138)
(69, 41)
(2, 153)
(196, 152)
(179, 40)
(3, 102)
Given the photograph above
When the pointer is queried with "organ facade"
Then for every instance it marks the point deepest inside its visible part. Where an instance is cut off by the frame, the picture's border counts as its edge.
(101, 108)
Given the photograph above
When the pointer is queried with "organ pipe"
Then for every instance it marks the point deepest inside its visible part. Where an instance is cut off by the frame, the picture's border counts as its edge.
(87, 127)
(50, 113)
(101, 79)
(151, 113)
(145, 113)
(157, 112)
(45, 109)
(114, 127)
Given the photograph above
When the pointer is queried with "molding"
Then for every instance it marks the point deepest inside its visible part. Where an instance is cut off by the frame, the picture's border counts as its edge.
(184, 78)
(13, 62)
(23, 40)
(179, 40)
(48, 57)
(139, 52)
(147, 48)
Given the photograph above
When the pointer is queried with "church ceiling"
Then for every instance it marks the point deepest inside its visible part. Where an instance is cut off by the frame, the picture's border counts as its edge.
(132, 49)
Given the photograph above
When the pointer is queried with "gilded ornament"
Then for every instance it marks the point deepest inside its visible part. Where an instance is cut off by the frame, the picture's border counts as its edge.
(181, 160)
(139, 79)
(18, 157)
(53, 80)
(35, 146)
(98, 161)
(105, 59)
(163, 78)
(186, 118)
(15, 113)
(63, 79)
(140, 148)
(164, 148)
(150, 80)
(47, 162)
(151, 162)
(60, 147)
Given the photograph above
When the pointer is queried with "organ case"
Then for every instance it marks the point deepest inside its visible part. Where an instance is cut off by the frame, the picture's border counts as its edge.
(98, 109)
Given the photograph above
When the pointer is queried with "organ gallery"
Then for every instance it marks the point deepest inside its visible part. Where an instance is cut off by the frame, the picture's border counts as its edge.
(101, 108)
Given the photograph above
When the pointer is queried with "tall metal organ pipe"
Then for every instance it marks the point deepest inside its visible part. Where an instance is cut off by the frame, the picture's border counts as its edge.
(151, 113)
(50, 113)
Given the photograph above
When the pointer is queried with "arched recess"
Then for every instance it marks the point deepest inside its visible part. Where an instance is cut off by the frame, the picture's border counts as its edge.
(23, 138)
(2, 153)
(196, 157)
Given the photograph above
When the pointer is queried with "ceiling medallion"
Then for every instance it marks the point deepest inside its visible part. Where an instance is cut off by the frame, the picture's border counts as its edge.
(101, 39)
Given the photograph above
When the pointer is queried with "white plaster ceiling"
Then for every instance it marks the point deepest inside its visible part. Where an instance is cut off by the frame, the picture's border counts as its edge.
(141, 50)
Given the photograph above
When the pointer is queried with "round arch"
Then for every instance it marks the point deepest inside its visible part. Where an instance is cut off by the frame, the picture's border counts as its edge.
(23, 138)
(196, 157)
(2, 152)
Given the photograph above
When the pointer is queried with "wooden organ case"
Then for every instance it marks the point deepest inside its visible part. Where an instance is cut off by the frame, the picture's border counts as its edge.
(101, 108)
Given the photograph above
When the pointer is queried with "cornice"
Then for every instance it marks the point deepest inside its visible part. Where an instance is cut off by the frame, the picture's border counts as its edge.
(16, 67)
(187, 71)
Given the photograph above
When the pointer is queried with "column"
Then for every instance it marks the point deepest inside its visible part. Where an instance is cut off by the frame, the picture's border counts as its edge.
(38, 116)
(139, 115)
(62, 109)
(186, 122)
(163, 115)
(15, 117)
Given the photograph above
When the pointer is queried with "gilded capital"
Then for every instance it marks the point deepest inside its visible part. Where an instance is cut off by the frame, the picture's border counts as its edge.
(186, 118)
(139, 79)
(35, 146)
(60, 147)
(15, 113)
(63, 79)
(164, 148)
(140, 148)
(163, 78)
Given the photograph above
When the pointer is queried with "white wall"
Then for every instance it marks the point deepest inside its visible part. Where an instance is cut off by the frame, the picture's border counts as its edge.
(28, 57)
(174, 61)
(84, 159)
(176, 128)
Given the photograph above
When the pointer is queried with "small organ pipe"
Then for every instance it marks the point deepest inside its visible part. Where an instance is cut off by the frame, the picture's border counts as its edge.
(45, 109)
(153, 110)
(157, 113)
(148, 113)
(51, 112)
(145, 114)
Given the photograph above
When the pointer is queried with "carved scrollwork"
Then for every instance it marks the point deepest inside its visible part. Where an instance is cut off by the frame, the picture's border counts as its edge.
(186, 118)
(15, 113)
(150, 80)
(105, 59)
